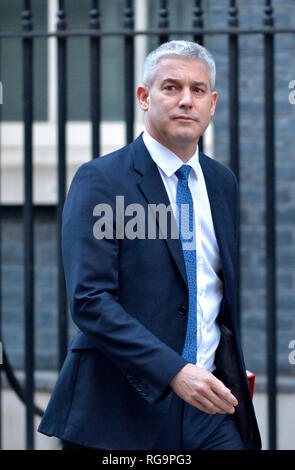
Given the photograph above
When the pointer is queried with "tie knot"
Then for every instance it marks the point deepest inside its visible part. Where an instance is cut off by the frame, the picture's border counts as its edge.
(183, 172)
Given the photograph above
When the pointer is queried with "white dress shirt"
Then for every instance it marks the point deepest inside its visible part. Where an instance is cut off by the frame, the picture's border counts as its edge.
(209, 285)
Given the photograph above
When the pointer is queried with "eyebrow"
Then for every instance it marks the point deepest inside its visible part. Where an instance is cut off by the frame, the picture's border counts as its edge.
(176, 81)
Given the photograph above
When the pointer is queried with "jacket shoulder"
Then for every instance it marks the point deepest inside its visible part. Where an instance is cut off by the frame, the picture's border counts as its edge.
(106, 169)
(219, 170)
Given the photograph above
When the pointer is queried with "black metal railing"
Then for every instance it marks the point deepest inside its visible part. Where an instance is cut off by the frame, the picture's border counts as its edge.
(269, 159)
(163, 32)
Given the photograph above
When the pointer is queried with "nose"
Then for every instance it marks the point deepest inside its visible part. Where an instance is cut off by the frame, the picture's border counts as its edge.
(185, 98)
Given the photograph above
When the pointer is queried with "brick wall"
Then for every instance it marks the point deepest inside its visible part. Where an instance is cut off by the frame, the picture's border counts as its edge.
(46, 338)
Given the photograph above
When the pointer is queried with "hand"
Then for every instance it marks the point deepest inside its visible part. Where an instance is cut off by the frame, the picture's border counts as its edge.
(201, 389)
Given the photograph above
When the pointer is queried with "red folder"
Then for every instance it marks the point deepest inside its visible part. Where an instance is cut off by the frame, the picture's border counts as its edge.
(251, 379)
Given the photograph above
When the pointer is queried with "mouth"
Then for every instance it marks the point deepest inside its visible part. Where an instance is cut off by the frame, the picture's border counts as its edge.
(184, 117)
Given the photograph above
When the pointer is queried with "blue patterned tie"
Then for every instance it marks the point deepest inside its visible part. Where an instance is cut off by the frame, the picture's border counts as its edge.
(185, 207)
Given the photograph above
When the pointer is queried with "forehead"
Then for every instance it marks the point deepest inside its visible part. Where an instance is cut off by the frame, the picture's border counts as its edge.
(181, 68)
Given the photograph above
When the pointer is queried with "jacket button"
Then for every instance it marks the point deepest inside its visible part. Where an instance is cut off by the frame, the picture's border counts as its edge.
(182, 311)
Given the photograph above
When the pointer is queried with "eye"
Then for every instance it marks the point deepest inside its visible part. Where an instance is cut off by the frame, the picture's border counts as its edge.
(170, 87)
(198, 90)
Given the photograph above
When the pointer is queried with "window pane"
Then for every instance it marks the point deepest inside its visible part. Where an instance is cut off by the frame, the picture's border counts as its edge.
(112, 77)
(11, 61)
(180, 17)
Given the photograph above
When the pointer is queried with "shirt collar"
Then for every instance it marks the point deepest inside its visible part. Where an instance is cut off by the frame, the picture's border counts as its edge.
(167, 160)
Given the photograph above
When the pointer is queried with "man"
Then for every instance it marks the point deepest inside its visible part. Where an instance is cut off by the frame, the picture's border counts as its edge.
(157, 363)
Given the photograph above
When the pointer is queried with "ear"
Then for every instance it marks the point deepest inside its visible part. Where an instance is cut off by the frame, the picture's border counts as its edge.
(142, 94)
(213, 103)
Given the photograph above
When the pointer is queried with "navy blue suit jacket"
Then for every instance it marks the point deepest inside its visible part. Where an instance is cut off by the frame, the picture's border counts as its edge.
(129, 299)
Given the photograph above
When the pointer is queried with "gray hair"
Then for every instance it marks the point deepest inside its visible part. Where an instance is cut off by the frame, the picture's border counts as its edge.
(188, 49)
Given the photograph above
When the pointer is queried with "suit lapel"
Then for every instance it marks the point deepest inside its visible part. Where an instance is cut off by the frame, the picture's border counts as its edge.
(153, 189)
(151, 185)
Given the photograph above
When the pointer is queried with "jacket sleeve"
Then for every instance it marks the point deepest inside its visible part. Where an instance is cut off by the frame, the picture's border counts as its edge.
(91, 273)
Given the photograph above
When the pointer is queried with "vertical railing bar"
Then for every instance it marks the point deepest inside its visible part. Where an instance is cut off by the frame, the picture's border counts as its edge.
(199, 38)
(198, 23)
(1, 267)
(28, 217)
(234, 121)
(95, 94)
(129, 70)
(163, 22)
(270, 225)
(62, 116)
(234, 90)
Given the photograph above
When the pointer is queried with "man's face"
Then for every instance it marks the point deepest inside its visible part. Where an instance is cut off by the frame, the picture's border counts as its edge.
(179, 104)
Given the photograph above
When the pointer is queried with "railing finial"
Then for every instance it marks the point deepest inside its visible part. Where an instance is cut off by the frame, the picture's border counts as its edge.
(94, 14)
(233, 20)
(27, 24)
(268, 19)
(198, 15)
(61, 15)
(128, 15)
(163, 15)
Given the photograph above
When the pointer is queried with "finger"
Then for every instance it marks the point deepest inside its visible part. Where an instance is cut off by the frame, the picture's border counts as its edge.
(204, 404)
(224, 393)
(207, 400)
(219, 395)
(221, 406)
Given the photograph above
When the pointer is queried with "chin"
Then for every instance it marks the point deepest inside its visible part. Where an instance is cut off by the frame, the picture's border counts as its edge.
(186, 138)
(186, 132)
